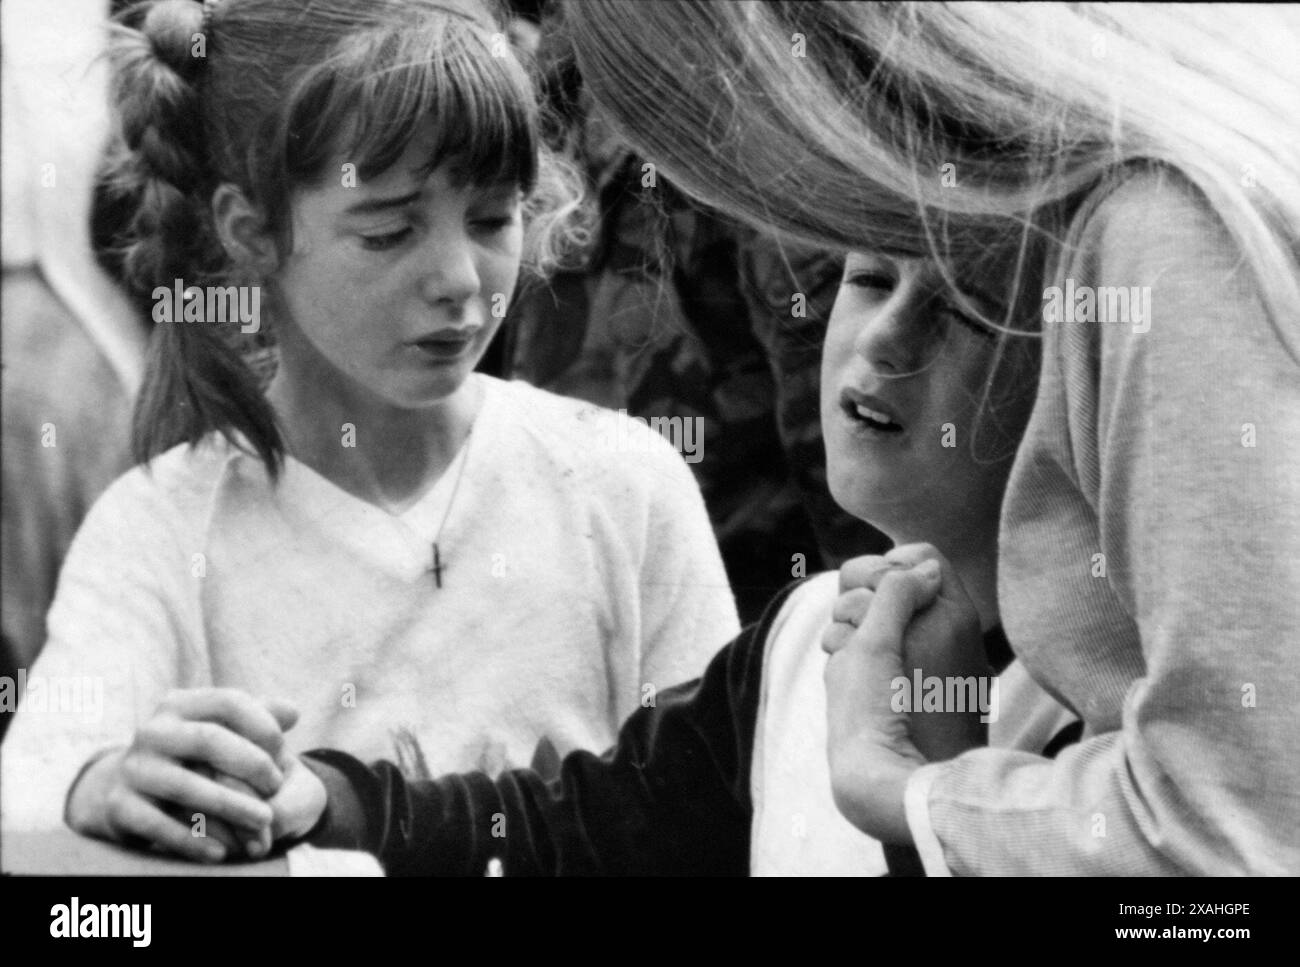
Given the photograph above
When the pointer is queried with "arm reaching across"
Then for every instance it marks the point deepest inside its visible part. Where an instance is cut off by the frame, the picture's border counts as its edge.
(672, 797)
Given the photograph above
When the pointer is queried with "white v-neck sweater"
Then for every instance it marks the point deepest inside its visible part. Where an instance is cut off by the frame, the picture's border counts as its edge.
(579, 576)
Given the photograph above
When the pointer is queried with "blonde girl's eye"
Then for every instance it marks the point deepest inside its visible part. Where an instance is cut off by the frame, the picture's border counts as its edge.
(951, 314)
(389, 240)
(870, 280)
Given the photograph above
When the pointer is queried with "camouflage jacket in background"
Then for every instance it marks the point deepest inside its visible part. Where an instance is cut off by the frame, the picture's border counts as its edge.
(682, 313)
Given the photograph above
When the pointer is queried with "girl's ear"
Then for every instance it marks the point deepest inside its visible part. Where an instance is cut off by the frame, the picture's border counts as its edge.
(241, 226)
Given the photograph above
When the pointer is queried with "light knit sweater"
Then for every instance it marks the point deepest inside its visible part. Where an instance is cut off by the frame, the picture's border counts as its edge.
(1175, 453)
(580, 575)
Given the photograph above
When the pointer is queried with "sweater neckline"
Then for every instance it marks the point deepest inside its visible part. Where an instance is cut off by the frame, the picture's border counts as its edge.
(423, 517)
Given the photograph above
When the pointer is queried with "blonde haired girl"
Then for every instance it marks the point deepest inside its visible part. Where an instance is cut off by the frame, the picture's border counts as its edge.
(1149, 562)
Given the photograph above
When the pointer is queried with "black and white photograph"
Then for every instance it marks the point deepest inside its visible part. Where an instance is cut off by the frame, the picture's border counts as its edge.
(651, 438)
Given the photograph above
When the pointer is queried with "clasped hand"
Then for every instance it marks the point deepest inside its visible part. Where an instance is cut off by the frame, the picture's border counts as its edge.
(207, 777)
(895, 614)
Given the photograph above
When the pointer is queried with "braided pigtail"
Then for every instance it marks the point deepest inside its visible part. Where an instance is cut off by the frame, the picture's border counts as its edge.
(196, 381)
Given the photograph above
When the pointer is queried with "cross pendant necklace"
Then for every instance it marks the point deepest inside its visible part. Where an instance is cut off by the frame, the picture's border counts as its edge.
(436, 568)
(437, 565)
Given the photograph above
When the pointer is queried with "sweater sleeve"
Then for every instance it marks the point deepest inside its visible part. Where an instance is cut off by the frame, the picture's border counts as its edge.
(121, 628)
(1183, 438)
(687, 608)
(671, 797)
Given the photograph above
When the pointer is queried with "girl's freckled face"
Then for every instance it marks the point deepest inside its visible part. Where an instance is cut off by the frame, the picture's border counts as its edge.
(399, 283)
(904, 370)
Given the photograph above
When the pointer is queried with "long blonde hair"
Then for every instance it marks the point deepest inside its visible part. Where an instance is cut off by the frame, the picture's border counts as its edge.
(834, 122)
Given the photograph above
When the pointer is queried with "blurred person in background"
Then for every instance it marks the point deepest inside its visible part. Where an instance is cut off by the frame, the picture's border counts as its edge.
(72, 346)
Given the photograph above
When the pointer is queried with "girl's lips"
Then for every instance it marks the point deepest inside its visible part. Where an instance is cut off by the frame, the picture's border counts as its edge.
(869, 411)
(445, 346)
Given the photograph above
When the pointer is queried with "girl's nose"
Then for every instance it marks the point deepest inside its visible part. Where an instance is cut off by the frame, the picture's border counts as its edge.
(895, 337)
(451, 274)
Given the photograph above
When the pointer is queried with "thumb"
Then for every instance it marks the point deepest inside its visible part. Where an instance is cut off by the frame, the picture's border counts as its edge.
(286, 716)
(900, 595)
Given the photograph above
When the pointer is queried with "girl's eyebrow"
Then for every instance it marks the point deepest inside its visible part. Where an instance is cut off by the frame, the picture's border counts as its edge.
(372, 205)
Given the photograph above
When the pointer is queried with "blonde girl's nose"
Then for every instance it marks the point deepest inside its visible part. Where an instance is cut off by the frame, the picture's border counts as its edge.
(894, 339)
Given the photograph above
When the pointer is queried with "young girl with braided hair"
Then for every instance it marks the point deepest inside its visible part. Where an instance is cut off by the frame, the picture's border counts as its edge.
(380, 536)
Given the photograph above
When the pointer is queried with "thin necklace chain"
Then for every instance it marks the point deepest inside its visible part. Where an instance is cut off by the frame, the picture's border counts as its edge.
(460, 475)
(455, 489)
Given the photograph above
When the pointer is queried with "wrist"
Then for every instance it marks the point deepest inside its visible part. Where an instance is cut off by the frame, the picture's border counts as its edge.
(301, 806)
(891, 812)
(342, 823)
(870, 795)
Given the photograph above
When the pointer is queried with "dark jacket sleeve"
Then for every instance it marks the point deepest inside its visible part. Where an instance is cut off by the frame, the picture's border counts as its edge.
(671, 797)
